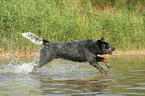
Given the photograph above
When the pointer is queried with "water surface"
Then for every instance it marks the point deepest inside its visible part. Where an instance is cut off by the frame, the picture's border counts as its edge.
(66, 78)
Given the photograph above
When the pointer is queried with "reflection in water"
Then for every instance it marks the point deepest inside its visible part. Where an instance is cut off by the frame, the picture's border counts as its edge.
(74, 86)
(44, 84)
(73, 79)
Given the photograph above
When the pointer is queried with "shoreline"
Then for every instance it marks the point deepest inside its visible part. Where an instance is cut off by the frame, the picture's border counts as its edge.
(7, 55)
(130, 53)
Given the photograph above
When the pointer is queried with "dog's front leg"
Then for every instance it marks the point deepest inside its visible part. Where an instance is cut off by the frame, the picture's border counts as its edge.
(101, 59)
(95, 64)
(107, 64)
(93, 61)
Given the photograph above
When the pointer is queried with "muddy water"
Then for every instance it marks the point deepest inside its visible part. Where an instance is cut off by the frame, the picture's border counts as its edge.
(65, 78)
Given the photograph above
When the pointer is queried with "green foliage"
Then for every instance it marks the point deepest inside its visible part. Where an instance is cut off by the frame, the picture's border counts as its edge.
(66, 20)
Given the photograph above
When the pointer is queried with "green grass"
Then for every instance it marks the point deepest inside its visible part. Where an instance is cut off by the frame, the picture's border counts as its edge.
(68, 20)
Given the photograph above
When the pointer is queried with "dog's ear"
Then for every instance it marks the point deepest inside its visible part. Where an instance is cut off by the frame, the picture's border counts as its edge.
(45, 42)
(102, 39)
(98, 42)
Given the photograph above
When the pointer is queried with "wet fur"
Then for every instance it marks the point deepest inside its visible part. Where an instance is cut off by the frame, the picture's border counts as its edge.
(77, 51)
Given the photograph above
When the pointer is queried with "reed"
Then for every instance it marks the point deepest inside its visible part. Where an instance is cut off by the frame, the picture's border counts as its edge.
(68, 20)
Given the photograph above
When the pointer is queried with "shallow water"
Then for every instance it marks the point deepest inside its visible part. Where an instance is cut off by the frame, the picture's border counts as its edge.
(66, 78)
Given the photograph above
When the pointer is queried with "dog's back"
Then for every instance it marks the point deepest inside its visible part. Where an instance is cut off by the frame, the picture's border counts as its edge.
(69, 50)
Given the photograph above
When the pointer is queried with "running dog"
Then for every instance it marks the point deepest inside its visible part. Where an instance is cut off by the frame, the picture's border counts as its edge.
(78, 51)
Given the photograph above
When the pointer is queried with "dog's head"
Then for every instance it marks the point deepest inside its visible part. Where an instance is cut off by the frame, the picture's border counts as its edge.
(104, 47)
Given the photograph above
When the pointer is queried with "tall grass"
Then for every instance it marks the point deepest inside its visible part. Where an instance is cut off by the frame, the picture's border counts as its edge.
(68, 20)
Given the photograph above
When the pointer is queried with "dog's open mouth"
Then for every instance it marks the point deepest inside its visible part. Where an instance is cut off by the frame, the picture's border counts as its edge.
(109, 52)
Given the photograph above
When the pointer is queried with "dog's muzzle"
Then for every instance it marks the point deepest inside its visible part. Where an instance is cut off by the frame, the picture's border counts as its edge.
(111, 49)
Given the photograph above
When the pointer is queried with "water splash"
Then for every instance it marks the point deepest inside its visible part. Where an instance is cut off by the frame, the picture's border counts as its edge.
(58, 67)
(15, 67)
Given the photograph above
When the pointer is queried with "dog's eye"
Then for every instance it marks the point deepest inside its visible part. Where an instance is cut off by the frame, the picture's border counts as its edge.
(106, 47)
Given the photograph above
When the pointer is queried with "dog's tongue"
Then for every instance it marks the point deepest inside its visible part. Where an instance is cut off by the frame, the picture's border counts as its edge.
(110, 53)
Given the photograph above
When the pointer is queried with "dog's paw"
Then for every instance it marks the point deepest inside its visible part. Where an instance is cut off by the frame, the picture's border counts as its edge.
(109, 66)
(105, 72)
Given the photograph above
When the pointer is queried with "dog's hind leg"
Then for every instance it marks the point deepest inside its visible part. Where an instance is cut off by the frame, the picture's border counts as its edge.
(45, 57)
(40, 64)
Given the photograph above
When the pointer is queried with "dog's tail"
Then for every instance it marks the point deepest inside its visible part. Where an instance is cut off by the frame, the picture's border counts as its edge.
(35, 39)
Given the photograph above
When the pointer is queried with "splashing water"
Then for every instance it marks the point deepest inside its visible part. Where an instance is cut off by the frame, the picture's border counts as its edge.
(58, 67)
(15, 67)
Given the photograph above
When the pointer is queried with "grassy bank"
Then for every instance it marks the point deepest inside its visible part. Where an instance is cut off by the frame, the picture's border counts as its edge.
(121, 22)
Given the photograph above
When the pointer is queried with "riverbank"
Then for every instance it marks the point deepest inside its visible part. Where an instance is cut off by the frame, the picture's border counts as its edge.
(36, 54)
(130, 53)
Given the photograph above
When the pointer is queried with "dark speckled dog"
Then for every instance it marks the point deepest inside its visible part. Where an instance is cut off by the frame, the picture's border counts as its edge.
(78, 51)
